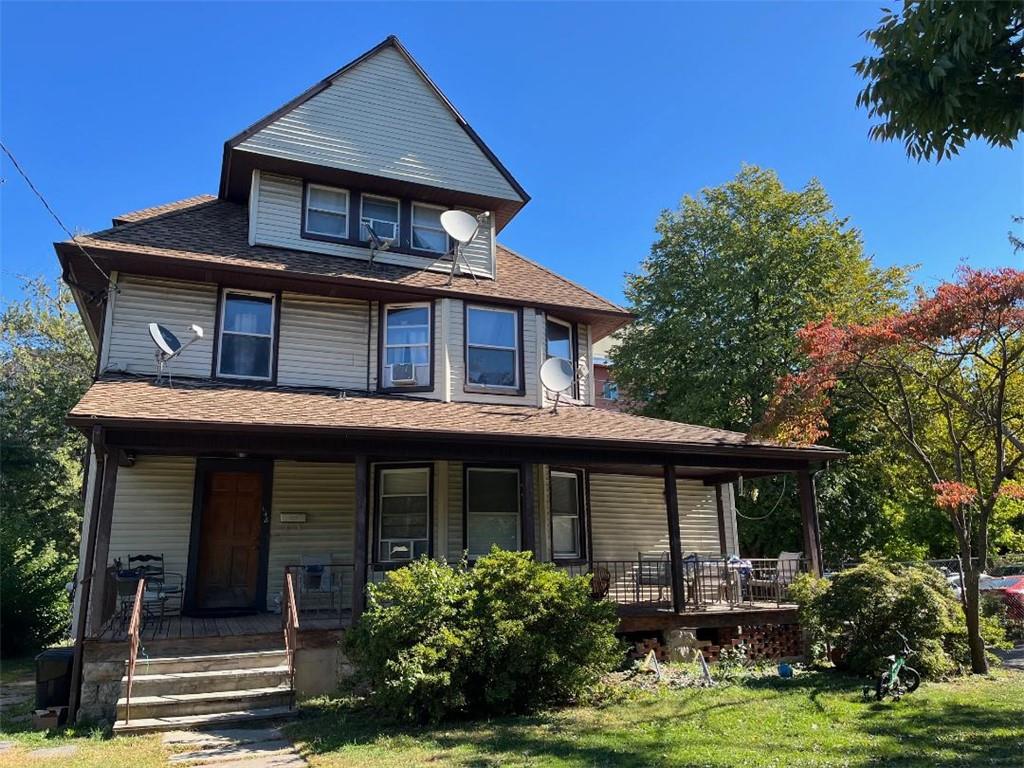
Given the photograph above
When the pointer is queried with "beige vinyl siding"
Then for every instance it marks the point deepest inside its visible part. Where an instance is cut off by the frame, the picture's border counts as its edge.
(457, 359)
(732, 537)
(454, 480)
(323, 342)
(153, 510)
(277, 221)
(382, 119)
(585, 363)
(176, 305)
(325, 493)
(628, 516)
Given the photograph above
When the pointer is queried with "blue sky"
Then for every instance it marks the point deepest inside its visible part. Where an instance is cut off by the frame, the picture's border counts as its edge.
(606, 114)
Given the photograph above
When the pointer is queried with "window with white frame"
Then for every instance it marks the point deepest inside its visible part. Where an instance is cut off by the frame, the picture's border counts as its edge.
(427, 232)
(246, 344)
(403, 513)
(326, 212)
(492, 509)
(492, 347)
(380, 214)
(406, 345)
(566, 520)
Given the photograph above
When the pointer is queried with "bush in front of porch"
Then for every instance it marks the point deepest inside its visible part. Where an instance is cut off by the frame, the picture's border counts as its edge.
(508, 635)
(859, 612)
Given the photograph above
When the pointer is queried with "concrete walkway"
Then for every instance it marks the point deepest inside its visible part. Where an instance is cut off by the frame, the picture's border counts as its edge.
(233, 748)
(1013, 658)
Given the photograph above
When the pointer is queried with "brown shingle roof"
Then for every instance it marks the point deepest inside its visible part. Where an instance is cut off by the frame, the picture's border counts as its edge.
(210, 230)
(137, 401)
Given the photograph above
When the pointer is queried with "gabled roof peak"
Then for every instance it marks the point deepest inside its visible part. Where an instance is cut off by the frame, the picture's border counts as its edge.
(501, 185)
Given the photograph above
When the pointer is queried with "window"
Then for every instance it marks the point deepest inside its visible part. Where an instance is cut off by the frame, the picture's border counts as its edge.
(403, 512)
(326, 212)
(492, 509)
(381, 214)
(246, 344)
(566, 527)
(492, 347)
(406, 346)
(559, 342)
(427, 232)
(609, 390)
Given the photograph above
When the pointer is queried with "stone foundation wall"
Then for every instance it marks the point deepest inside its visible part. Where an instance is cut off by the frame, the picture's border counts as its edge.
(101, 688)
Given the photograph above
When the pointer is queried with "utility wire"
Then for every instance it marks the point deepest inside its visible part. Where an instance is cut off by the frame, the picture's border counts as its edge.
(770, 511)
(53, 213)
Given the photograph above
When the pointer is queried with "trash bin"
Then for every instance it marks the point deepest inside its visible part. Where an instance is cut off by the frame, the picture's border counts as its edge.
(53, 677)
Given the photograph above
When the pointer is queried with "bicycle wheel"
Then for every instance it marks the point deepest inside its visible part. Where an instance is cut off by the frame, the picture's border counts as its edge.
(911, 679)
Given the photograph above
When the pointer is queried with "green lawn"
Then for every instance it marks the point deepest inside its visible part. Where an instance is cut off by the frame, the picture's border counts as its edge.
(816, 719)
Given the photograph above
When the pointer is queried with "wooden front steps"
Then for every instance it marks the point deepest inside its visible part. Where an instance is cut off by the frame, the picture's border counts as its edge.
(177, 692)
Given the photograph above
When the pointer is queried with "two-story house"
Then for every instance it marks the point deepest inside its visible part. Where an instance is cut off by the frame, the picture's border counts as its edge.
(352, 405)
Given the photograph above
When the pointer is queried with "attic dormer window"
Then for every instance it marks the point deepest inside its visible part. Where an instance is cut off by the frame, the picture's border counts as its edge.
(427, 232)
(380, 214)
(326, 212)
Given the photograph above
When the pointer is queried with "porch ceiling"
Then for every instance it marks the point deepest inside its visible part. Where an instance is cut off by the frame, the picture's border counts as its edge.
(355, 422)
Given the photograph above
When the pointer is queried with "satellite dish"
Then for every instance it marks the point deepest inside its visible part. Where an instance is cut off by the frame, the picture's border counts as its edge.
(168, 347)
(557, 375)
(460, 225)
(165, 341)
(377, 243)
(462, 228)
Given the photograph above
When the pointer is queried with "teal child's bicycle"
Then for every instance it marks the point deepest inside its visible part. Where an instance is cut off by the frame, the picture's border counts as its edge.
(898, 679)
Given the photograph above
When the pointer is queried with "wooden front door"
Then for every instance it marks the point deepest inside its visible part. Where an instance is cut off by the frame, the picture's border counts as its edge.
(230, 541)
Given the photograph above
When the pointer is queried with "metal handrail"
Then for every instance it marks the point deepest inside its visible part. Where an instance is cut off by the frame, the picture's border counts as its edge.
(290, 623)
(134, 631)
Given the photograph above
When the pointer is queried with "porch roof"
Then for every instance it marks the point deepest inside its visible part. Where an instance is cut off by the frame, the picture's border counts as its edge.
(135, 402)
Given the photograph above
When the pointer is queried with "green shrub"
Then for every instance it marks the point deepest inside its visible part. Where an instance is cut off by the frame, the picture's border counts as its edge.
(508, 635)
(34, 610)
(862, 609)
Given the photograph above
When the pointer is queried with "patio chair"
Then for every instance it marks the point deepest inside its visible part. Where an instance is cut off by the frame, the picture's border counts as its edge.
(319, 585)
(126, 582)
(164, 585)
(770, 581)
(652, 571)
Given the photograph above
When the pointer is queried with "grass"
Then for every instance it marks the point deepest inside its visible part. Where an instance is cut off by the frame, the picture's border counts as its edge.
(817, 719)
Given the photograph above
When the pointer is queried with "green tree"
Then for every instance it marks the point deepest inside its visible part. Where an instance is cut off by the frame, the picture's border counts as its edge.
(735, 273)
(946, 72)
(46, 361)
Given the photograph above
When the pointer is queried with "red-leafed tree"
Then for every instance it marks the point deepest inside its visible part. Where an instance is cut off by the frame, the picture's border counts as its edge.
(946, 377)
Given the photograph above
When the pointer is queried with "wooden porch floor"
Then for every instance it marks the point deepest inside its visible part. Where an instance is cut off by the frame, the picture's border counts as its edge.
(197, 628)
(654, 616)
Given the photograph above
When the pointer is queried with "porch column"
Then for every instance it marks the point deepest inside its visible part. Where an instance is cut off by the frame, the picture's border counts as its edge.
(83, 574)
(528, 541)
(675, 546)
(101, 551)
(809, 519)
(362, 523)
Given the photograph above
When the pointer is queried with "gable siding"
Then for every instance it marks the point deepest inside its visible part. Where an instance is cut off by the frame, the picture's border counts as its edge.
(628, 516)
(325, 493)
(153, 510)
(457, 359)
(277, 221)
(585, 363)
(382, 119)
(176, 305)
(323, 342)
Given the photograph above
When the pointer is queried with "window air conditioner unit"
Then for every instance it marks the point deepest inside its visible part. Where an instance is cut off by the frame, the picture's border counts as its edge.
(403, 373)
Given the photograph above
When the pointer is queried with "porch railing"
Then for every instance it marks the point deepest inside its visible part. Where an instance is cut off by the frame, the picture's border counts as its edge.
(134, 631)
(290, 628)
(322, 593)
(707, 582)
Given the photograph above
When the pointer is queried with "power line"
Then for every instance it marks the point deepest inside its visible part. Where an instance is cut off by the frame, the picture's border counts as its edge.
(53, 213)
